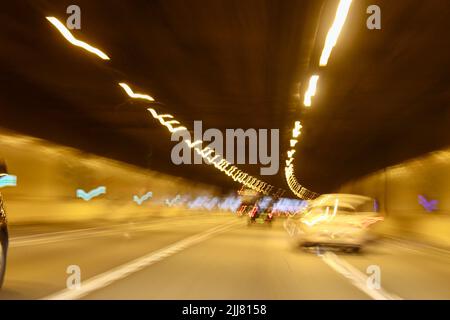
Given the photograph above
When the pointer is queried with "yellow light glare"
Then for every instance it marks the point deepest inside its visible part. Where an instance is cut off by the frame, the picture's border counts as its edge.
(206, 152)
(290, 153)
(335, 30)
(231, 170)
(222, 165)
(293, 184)
(336, 203)
(167, 124)
(311, 90)
(69, 37)
(172, 122)
(173, 130)
(213, 159)
(159, 117)
(135, 95)
(293, 142)
(296, 131)
(193, 144)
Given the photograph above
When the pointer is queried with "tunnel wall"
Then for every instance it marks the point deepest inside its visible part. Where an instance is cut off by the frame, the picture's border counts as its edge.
(48, 176)
(400, 192)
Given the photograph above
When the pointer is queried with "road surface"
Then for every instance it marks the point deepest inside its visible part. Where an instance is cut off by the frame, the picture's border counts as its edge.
(210, 256)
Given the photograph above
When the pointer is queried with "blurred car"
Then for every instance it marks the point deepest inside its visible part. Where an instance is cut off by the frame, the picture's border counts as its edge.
(260, 214)
(245, 209)
(3, 231)
(249, 199)
(334, 220)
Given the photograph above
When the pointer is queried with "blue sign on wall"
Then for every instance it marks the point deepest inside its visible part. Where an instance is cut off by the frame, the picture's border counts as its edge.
(86, 196)
(145, 197)
(7, 180)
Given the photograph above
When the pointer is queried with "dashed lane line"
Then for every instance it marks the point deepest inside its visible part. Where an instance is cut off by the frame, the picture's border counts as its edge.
(356, 277)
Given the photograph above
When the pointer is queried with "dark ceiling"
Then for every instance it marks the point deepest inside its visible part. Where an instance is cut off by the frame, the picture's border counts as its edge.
(382, 98)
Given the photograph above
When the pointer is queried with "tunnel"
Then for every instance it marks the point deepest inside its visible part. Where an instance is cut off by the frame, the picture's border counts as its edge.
(225, 150)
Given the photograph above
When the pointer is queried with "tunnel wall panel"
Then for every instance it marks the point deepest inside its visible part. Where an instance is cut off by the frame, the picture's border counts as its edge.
(48, 176)
(414, 197)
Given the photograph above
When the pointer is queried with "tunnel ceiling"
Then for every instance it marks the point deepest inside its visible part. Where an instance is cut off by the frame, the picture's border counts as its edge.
(382, 98)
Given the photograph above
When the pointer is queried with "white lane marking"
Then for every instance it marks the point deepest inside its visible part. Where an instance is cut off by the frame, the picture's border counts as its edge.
(46, 238)
(49, 238)
(415, 246)
(356, 277)
(104, 279)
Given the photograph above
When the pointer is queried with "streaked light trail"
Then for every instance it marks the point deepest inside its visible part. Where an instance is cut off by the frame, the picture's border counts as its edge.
(69, 37)
(311, 90)
(330, 41)
(170, 123)
(335, 30)
(135, 95)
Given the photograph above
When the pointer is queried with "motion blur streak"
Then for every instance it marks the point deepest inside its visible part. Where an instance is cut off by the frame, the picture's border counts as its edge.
(290, 153)
(217, 160)
(311, 90)
(293, 142)
(193, 144)
(330, 42)
(291, 180)
(375, 141)
(296, 187)
(135, 95)
(335, 30)
(248, 181)
(167, 124)
(69, 37)
(297, 129)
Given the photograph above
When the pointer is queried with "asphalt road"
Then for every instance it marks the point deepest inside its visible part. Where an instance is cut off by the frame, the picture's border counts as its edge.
(211, 256)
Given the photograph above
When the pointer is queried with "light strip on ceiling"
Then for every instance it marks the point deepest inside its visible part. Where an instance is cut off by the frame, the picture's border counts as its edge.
(335, 30)
(69, 37)
(311, 90)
